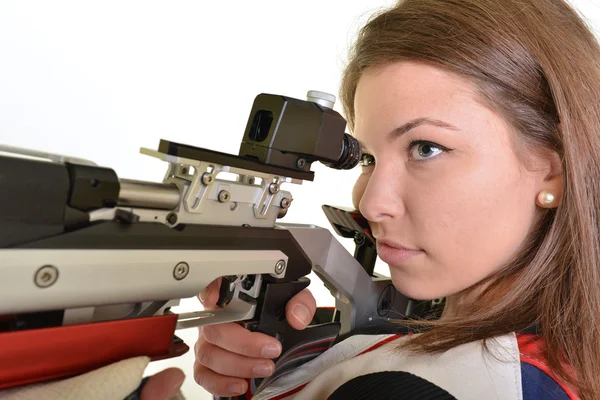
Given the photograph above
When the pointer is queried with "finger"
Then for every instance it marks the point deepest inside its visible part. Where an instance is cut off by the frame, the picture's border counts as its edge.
(301, 309)
(216, 384)
(227, 363)
(164, 385)
(235, 338)
(210, 295)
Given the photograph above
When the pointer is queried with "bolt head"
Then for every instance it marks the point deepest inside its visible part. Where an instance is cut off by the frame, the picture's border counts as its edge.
(224, 196)
(273, 188)
(279, 267)
(46, 276)
(286, 203)
(181, 271)
(172, 218)
(207, 178)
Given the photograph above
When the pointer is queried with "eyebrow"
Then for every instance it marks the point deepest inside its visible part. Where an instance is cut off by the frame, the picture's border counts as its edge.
(402, 129)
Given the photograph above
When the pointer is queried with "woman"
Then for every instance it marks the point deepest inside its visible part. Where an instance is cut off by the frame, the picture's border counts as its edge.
(479, 120)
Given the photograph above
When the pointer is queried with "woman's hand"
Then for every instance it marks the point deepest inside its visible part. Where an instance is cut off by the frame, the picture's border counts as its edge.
(227, 354)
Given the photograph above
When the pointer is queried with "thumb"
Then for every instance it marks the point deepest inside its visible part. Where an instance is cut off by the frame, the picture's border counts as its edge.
(210, 295)
(301, 309)
(163, 386)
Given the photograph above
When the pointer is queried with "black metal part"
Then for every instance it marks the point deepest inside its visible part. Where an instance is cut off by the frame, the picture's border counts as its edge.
(351, 154)
(33, 201)
(365, 253)
(248, 282)
(226, 290)
(386, 301)
(350, 223)
(92, 187)
(125, 217)
(36, 320)
(292, 133)
(249, 163)
(325, 315)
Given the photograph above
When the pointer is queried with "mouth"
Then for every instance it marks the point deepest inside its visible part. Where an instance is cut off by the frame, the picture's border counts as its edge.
(395, 254)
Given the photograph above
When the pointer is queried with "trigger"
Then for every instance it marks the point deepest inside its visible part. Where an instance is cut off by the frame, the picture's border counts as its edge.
(226, 291)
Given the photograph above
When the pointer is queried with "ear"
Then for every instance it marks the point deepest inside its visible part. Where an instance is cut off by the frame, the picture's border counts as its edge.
(551, 185)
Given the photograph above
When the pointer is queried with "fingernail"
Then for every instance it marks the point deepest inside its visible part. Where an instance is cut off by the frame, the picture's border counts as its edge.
(263, 370)
(300, 312)
(236, 388)
(177, 387)
(204, 294)
(271, 350)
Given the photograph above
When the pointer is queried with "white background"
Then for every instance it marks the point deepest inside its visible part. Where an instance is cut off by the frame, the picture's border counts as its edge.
(99, 80)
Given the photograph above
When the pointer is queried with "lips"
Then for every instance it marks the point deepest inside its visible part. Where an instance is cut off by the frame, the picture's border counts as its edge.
(395, 254)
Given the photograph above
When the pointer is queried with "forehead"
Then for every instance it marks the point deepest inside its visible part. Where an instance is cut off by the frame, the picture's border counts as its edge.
(395, 93)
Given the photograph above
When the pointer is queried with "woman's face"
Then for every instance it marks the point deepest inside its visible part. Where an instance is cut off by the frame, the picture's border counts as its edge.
(446, 196)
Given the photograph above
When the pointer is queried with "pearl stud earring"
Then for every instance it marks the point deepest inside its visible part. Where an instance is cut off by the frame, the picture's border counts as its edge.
(546, 198)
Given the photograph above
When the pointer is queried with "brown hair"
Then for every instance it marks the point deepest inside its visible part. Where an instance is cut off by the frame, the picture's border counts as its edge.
(538, 64)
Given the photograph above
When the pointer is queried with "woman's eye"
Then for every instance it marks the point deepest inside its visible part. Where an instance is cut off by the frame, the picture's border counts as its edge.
(420, 150)
(367, 160)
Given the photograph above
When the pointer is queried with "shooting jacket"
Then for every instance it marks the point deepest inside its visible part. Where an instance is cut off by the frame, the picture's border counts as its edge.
(375, 367)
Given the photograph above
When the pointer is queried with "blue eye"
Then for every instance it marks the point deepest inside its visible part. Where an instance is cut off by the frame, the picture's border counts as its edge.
(422, 150)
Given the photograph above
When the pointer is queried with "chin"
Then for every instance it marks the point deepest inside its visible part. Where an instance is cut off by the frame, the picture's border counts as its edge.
(418, 289)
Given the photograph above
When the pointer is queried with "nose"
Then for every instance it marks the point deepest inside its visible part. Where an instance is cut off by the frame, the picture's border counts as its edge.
(380, 199)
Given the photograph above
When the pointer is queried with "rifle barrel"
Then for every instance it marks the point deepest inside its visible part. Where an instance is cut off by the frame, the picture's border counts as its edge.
(148, 195)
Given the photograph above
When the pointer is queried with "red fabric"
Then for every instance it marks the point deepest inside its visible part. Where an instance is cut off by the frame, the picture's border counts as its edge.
(38, 355)
(531, 352)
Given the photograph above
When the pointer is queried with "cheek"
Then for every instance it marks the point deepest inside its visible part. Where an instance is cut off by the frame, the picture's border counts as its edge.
(475, 219)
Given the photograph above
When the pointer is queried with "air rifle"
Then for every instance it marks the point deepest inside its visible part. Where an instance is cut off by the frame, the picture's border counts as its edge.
(91, 264)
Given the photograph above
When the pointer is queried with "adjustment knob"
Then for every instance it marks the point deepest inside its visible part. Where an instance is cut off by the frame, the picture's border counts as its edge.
(322, 98)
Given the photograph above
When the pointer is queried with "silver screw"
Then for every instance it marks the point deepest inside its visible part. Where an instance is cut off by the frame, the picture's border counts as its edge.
(273, 188)
(207, 178)
(46, 276)
(224, 196)
(279, 267)
(286, 203)
(181, 270)
(300, 163)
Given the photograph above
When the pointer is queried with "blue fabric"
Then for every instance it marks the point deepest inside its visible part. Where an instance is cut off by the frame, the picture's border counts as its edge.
(537, 385)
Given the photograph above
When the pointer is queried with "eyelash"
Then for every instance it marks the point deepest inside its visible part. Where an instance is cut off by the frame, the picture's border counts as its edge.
(368, 159)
